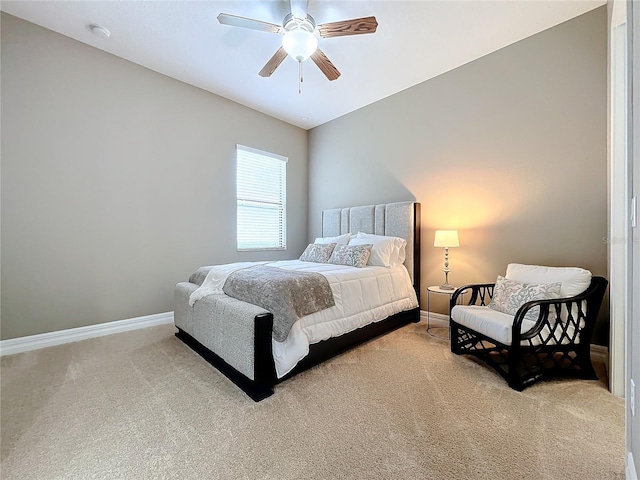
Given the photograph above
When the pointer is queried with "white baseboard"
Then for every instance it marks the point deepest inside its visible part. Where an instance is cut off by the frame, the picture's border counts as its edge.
(435, 319)
(631, 473)
(50, 339)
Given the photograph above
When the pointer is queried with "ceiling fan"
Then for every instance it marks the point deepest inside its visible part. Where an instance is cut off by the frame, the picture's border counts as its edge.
(300, 36)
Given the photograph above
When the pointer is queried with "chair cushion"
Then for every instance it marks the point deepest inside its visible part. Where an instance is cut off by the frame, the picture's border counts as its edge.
(574, 280)
(493, 324)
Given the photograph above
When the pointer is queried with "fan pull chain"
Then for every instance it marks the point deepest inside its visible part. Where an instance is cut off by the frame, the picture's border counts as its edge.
(300, 80)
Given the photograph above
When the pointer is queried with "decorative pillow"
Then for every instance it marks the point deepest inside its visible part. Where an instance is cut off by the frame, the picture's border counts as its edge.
(386, 252)
(340, 239)
(509, 296)
(317, 252)
(351, 255)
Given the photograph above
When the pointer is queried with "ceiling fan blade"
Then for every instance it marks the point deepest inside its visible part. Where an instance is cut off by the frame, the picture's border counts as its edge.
(273, 63)
(356, 26)
(325, 65)
(299, 8)
(235, 21)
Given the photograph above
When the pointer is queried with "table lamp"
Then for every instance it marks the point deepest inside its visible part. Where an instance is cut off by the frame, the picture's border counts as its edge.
(446, 239)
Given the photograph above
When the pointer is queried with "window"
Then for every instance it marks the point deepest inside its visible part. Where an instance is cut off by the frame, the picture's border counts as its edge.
(261, 185)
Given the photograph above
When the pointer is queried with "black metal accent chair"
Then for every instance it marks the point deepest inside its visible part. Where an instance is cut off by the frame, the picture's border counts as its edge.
(557, 344)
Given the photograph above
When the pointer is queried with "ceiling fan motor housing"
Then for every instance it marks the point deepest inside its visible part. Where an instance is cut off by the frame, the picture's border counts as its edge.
(293, 23)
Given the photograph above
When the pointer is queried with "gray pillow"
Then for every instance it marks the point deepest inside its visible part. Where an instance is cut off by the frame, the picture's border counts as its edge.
(351, 255)
(317, 252)
(509, 296)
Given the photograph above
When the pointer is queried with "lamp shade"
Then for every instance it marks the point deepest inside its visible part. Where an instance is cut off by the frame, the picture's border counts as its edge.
(446, 238)
(299, 44)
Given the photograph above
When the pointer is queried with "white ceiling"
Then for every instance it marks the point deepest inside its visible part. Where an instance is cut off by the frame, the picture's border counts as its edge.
(415, 41)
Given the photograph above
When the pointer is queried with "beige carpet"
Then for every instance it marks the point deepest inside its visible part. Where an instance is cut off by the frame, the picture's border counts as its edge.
(143, 405)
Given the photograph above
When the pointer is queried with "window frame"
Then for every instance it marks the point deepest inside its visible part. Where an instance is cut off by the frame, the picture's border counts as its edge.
(281, 203)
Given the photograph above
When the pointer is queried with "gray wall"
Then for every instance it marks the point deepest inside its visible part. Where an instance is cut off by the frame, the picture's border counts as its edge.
(510, 150)
(117, 182)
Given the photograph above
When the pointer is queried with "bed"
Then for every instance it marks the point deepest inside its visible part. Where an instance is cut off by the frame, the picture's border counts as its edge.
(241, 340)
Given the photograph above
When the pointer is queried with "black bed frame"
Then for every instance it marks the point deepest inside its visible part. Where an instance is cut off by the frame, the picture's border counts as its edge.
(265, 379)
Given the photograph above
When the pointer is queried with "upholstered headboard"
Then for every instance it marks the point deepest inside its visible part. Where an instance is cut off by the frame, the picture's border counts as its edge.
(401, 219)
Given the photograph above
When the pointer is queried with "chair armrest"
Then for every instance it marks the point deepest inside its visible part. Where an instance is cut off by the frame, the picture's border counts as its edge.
(573, 306)
(479, 291)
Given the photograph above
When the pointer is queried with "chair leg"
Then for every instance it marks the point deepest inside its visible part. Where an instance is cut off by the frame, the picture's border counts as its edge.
(588, 372)
(455, 340)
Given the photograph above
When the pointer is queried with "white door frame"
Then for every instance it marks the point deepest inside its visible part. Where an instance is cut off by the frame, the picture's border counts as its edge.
(619, 193)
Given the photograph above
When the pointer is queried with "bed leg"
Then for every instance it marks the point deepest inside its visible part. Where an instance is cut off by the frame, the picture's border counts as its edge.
(264, 367)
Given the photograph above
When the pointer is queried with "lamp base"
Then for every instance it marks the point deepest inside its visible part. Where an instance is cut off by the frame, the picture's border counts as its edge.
(446, 286)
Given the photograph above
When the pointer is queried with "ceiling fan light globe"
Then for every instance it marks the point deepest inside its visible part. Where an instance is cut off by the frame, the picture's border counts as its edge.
(299, 44)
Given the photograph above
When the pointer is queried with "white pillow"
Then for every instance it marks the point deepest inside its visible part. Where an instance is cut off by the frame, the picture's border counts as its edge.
(399, 253)
(340, 239)
(386, 252)
(574, 280)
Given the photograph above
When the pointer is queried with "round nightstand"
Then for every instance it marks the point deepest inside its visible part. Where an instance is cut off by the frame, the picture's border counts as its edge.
(439, 291)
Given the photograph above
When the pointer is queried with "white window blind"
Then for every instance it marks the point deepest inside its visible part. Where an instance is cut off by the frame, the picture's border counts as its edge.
(261, 186)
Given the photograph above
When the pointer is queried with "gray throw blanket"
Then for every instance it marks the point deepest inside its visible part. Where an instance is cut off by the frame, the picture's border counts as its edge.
(287, 294)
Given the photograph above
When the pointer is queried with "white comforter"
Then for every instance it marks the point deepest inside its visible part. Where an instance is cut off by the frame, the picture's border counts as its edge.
(362, 296)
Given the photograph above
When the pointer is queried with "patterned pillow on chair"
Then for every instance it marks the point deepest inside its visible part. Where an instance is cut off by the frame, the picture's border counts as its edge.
(509, 296)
